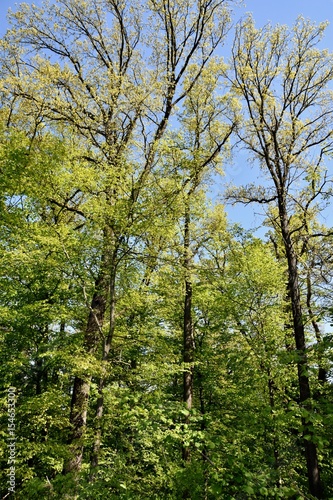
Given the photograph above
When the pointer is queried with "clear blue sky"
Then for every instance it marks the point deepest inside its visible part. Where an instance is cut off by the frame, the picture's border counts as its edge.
(276, 11)
(286, 11)
(263, 11)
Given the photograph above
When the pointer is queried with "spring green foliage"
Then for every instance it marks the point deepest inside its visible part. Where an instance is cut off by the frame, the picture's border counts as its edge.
(85, 153)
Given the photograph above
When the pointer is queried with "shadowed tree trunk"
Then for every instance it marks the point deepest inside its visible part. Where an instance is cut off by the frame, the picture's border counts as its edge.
(302, 362)
(106, 349)
(188, 341)
(81, 388)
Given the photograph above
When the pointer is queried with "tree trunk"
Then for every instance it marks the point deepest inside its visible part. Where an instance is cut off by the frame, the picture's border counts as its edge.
(81, 388)
(188, 344)
(94, 459)
(106, 349)
(302, 363)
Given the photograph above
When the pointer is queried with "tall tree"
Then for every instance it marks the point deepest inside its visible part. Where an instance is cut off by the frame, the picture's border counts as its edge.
(283, 78)
(113, 73)
(193, 156)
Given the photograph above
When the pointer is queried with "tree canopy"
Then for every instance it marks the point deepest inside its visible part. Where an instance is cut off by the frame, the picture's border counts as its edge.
(150, 348)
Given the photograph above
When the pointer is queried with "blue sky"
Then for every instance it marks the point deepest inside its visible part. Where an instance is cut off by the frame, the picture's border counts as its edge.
(275, 12)
(281, 11)
(286, 11)
(263, 11)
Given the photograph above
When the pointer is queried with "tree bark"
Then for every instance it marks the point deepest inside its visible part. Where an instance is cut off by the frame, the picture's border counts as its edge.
(81, 388)
(106, 349)
(188, 344)
(310, 449)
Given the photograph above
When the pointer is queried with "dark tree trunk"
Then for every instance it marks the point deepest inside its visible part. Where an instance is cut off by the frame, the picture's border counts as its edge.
(106, 349)
(81, 388)
(94, 459)
(188, 344)
(310, 448)
(39, 375)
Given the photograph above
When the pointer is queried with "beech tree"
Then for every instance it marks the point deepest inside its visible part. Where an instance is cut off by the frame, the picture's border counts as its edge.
(158, 351)
(193, 156)
(283, 79)
(84, 65)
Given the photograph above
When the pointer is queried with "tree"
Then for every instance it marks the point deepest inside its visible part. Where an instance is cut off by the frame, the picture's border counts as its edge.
(112, 74)
(194, 155)
(283, 79)
(41, 300)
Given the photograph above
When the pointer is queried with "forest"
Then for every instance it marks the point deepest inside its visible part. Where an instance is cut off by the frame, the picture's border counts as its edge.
(150, 348)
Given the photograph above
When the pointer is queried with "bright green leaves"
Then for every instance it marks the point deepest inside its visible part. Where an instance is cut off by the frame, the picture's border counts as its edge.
(97, 195)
